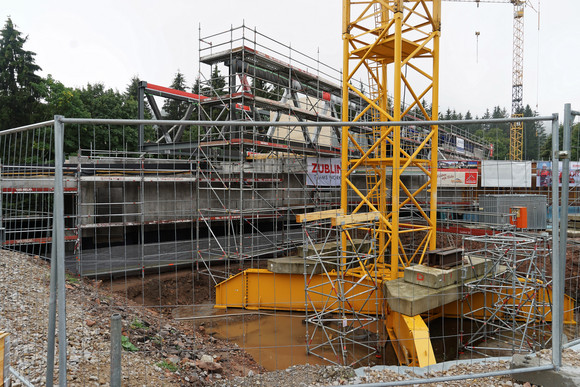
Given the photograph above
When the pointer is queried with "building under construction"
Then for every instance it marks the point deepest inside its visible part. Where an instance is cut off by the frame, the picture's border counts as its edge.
(364, 228)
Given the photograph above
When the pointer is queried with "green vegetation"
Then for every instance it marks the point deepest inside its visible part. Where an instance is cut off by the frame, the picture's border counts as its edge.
(166, 364)
(128, 345)
(499, 134)
(138, 324)
(26, 98)
(71, 279)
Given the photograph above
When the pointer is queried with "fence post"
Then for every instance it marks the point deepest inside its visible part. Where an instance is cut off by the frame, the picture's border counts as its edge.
(557, 291)
(58, 247)
(116, 350)
(54, 258)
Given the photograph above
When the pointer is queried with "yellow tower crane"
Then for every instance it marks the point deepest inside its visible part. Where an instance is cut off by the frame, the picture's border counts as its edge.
(516, 128)
(397, 43)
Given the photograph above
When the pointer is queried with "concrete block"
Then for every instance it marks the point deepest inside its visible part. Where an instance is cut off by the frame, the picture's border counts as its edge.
(411, 299)
(332, 248)
(565, 376)
(436, 278)
(293, 265)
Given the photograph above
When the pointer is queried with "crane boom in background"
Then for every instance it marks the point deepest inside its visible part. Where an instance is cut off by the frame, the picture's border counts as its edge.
(517, 128)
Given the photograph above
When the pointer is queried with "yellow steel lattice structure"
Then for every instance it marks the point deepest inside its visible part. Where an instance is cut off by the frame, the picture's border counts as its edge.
(395, 43)
(516, 139)
(517, 128)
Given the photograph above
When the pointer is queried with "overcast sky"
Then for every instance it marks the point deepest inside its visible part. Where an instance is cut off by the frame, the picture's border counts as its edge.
(106, 41)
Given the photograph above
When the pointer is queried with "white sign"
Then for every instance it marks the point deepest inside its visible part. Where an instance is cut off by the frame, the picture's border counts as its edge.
(496, 173)
(323, 172)
(460, 145)
(457, 178)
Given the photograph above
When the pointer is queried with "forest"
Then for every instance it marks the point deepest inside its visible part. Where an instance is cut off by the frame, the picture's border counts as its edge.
(26, 97)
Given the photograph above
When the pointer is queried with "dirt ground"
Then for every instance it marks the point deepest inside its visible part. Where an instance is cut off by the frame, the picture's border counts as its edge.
(167, 290)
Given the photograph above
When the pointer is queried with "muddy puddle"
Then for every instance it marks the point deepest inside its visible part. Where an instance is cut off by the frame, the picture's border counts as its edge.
(275, 340)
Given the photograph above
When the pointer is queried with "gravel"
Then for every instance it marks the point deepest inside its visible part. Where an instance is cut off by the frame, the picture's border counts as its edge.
(168, 353)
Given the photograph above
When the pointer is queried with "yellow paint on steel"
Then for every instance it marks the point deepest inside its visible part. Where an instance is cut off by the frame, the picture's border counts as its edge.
(516, 139)
(261, 289)
(4, 357)
(404, 38)
(533, 303)
(410, 339)
(257, 289)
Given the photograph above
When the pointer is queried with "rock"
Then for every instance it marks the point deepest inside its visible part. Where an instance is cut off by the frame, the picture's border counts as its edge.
(206, 358)
(90, 323)
(208, 366)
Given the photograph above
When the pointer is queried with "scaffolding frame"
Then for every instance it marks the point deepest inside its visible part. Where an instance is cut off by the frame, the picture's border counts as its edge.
(351, 308)
(516, 304)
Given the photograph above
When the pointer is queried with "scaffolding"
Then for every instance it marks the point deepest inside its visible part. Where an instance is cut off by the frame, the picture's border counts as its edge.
(344, 305)
(516, 302)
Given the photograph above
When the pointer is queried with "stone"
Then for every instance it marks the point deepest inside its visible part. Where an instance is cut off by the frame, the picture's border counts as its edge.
(206, 358)
(208, 366)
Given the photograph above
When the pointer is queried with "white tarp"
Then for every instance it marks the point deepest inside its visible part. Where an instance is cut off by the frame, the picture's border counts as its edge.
(323, 172)
(496, 173)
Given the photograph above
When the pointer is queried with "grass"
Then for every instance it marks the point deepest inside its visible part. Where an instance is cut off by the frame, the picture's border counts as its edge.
(165, 364)
(138, 324)
(72, 279)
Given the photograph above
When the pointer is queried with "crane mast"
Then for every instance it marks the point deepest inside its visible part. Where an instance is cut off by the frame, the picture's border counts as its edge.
(517, 128)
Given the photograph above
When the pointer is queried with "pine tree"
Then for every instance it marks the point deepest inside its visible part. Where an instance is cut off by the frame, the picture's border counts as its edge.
(20, 87)
(217, 83)
(175, 110)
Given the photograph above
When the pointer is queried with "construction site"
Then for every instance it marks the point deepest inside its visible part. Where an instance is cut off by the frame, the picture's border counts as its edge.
(309, 215)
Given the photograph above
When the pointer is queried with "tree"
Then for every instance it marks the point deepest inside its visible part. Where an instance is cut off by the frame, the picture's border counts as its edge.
(217, 83)
(20, 87)
(175, 109)
(469, 127)
(533, 136)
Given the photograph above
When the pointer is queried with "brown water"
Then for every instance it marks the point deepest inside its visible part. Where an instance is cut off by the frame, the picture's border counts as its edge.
(275, 340)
